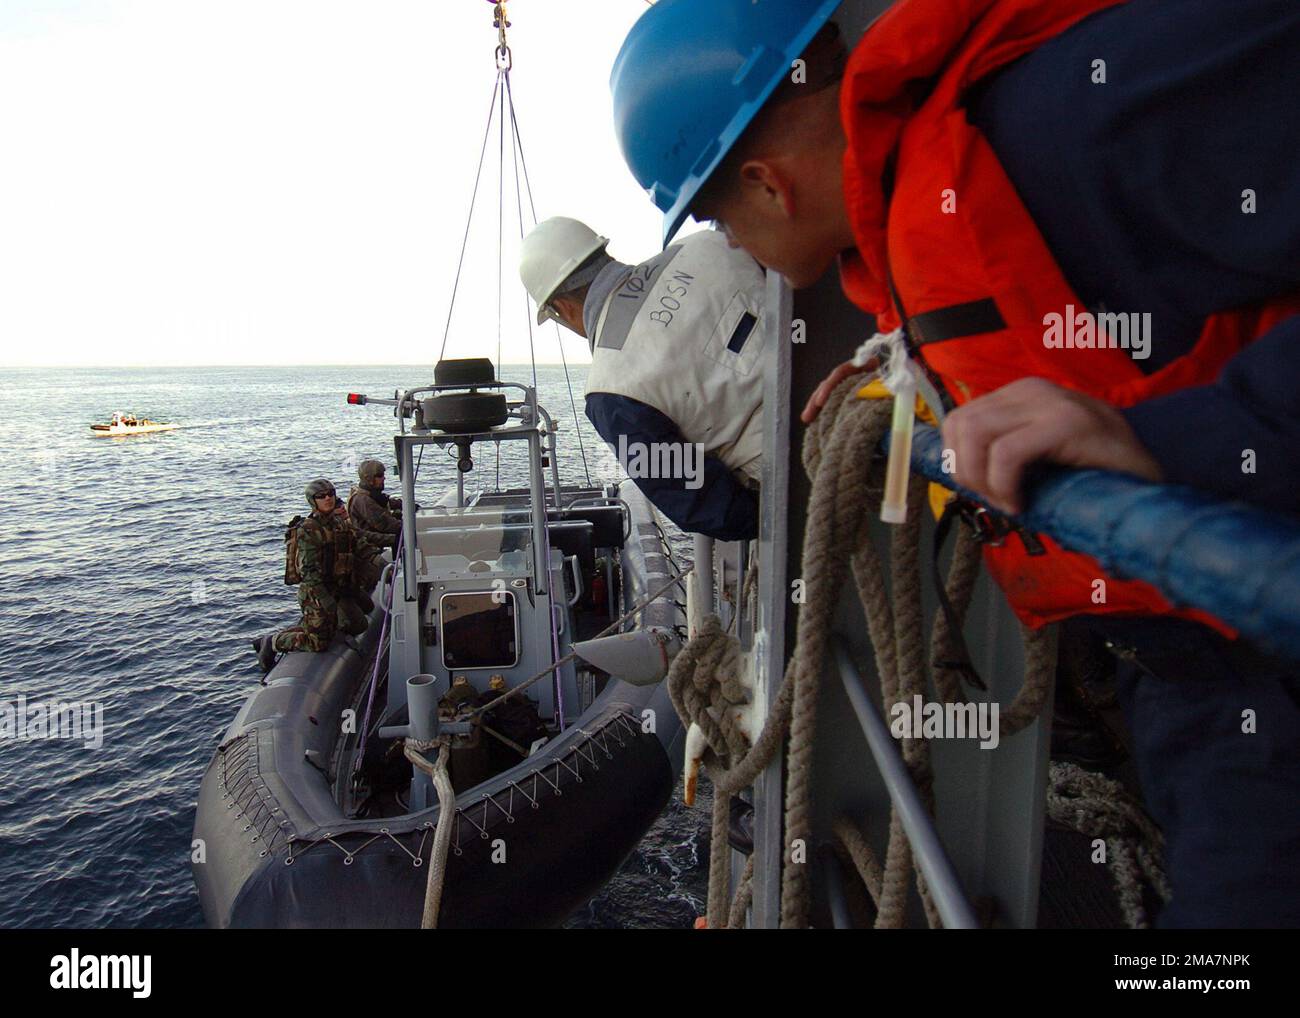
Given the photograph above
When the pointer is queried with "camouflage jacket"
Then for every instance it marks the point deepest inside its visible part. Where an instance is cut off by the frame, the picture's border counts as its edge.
(330, 550)
(375, 515)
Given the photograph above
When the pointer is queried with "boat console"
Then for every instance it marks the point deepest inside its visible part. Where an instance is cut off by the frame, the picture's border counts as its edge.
(489, 589)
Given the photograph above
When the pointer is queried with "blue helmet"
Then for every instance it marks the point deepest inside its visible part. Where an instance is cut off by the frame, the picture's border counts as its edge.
(689, 79)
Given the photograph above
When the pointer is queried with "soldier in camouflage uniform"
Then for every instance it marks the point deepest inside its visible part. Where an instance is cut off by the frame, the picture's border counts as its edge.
(330, 552)
(375, 514)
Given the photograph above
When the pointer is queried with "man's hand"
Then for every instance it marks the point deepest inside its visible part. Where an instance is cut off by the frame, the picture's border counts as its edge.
(996, 437)
(823, 392)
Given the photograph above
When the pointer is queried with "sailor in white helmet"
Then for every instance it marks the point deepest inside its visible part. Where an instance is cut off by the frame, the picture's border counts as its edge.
(675, 385)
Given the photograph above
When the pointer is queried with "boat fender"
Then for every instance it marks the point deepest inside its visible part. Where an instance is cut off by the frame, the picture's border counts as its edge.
(640, 658)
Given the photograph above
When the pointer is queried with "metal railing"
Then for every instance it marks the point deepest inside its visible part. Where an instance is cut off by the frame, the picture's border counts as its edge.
(927, 848)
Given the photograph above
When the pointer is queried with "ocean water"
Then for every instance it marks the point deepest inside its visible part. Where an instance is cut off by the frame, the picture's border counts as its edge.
(133, 573)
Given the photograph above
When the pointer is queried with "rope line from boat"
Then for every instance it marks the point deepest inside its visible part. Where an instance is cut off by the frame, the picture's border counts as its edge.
(414, 749)
(390, 568)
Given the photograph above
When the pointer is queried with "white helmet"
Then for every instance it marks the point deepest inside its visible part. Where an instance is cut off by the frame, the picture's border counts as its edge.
(550, 254)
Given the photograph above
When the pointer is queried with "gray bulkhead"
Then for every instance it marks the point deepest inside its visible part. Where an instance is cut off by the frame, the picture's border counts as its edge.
(990, 803)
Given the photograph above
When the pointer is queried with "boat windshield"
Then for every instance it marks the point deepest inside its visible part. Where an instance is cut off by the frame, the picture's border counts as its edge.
(475, 533)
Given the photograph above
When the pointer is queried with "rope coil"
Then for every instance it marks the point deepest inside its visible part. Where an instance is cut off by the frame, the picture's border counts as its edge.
(1094, 805)
(839, 455)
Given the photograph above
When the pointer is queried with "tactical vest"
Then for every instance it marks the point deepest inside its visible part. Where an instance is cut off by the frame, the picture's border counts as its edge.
(971, 274)
(682, 333)
(338, 549)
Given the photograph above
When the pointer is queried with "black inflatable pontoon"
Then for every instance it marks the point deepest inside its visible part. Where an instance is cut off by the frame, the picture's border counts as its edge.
(309, 816)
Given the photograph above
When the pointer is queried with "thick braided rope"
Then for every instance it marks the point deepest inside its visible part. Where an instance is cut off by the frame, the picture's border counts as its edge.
(855, 846)
(1040, 672)
(414, 749)
(744, 895)
(1039, 644)
(838, 451)
(959, 584)
(908, 635)
(706, 673)
(888, 887)
(699, 656)
(718, 909)
(1098, 807)
(712, 660)
(897, 635)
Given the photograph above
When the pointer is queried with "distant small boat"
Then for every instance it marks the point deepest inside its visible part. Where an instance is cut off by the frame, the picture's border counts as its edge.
(129, 424)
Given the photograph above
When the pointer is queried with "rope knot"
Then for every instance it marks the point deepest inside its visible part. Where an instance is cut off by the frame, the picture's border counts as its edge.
(704, 683)
(890, 350)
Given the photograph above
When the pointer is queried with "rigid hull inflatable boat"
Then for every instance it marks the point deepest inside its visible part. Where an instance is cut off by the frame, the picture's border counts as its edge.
(312, 815)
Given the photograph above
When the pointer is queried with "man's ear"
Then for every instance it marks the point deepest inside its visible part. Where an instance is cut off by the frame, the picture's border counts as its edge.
(764, 183)
(570, 309)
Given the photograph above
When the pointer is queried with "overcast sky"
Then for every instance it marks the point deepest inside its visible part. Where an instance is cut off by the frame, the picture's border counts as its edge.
(287, 181)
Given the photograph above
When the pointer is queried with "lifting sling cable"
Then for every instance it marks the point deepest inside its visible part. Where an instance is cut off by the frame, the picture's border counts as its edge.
(460, 262)
(532, 208)
(519, 211)
(501, 214)
(501, 223)
(501, 98)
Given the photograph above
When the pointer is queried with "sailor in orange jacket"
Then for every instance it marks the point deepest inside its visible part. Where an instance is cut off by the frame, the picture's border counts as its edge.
(885, 162)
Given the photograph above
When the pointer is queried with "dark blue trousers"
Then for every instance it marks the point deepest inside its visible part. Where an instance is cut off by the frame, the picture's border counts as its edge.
(1227, 798)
